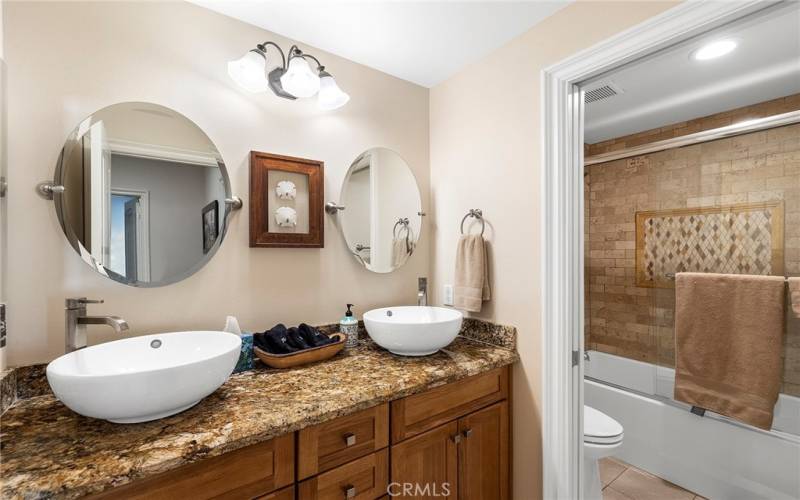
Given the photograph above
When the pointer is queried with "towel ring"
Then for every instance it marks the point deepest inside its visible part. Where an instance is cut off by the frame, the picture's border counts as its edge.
(403, 221)
(478, 214)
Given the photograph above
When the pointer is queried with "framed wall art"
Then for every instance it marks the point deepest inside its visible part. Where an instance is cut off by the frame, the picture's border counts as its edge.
(210, 225)
(286, 201)
(733, 239)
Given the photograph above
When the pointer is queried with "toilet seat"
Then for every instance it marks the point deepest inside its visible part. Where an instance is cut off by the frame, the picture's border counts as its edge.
(600, 429)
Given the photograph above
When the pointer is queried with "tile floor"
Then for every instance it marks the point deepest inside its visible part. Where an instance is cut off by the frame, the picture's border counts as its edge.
(623, 481)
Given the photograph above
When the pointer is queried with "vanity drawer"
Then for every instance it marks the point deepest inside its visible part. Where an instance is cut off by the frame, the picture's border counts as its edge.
(416, 414)
(366, 478)
(330, 444)
(245, 473)
(284, 494)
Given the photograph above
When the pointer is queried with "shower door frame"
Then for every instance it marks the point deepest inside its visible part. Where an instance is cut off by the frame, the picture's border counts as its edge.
(562, 281)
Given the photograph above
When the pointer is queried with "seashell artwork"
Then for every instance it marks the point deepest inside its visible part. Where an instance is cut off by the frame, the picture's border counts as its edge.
(286, 190)
(286, 217)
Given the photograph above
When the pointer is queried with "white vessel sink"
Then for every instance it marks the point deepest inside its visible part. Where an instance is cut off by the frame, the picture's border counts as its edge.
(413, 330)
(144, 378)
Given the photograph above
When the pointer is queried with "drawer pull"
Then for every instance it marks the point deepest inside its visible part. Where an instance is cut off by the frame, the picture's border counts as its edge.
(467, 433)
(349, 491)
(349, 439)
(456, 438)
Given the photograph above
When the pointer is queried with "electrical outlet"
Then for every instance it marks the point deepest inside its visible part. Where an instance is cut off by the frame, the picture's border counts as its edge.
(448, 295)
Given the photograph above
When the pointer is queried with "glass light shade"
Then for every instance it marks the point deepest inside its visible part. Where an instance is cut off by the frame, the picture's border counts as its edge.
(299, 80)
(250, 72)
(330, 95)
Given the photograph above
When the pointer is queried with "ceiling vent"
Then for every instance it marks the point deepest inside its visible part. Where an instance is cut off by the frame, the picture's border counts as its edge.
(603, 92)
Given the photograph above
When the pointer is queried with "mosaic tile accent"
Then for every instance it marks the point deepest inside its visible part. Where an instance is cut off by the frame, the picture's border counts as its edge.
(736, 239)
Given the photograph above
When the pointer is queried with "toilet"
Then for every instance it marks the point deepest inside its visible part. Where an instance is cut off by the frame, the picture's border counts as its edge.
(602, 436)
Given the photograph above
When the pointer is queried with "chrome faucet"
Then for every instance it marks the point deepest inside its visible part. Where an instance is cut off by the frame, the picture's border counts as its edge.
(422, 292)
(77, 319)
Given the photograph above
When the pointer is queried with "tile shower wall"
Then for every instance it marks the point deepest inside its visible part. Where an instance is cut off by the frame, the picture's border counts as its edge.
(637, 322)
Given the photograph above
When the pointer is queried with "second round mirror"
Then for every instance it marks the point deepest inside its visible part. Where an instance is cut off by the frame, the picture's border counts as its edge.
(382, 218)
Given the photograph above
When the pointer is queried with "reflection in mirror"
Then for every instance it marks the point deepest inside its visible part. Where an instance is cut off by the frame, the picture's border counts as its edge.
(144, 194)
(382, 219)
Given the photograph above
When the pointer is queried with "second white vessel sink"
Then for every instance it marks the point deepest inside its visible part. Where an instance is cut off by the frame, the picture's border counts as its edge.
(413, 330)
(144, 378)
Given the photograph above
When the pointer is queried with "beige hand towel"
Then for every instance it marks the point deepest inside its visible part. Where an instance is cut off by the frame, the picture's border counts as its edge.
(399, 252)
(794, 295)
(728, 341)
(471, 286)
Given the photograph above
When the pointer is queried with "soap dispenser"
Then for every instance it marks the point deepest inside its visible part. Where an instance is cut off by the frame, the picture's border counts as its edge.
(349, 326)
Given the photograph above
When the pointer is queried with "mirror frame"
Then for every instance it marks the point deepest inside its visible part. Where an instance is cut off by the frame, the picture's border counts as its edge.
(59, 204)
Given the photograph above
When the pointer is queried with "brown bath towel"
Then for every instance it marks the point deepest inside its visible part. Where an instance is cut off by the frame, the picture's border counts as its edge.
(794, 295)
(728, 340)
(471, 284)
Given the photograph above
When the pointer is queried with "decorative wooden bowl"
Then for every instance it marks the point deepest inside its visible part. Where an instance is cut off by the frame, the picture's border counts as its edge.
(303, 357)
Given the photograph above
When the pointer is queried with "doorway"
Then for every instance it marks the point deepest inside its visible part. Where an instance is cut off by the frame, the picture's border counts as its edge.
(129, 237)
(563, 275)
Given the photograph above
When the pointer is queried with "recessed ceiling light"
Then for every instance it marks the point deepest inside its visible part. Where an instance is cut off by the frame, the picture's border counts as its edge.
(713, 50)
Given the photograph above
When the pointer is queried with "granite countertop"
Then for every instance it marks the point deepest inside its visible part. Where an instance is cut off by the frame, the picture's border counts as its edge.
(48, 451)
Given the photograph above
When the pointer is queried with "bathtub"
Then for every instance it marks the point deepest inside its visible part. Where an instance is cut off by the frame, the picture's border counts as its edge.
(713, 456)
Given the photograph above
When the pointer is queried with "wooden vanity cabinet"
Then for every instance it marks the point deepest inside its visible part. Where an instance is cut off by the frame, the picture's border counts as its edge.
(450, 442)
(466, 458)
(246, 473)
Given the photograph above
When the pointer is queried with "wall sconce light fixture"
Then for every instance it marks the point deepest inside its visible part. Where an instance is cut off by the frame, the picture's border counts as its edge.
(292, 79)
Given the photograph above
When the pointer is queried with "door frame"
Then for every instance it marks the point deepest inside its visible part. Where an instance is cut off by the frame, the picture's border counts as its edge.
(142, 230)
(562, 278)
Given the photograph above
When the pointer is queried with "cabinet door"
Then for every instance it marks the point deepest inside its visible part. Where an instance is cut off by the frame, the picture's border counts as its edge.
(426, 466)
(483, 454)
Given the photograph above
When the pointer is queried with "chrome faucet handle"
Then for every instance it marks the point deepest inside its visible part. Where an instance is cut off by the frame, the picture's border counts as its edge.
(84, 300)
(80, 302)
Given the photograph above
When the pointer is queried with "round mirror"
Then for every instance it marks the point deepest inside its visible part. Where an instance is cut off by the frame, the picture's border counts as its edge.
(382, 218)
(144, 194)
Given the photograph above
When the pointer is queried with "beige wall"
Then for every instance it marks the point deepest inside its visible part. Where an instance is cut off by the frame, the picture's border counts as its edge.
(69, 59)
(485, 154)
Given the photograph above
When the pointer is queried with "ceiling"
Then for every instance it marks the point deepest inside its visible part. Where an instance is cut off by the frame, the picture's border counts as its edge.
(422, 42)
(670, 87)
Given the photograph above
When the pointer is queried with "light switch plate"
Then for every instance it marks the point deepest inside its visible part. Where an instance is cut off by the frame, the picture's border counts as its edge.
(448, 295)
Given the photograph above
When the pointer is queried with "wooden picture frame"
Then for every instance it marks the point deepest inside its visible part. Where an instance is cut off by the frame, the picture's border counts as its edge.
(262, 211)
